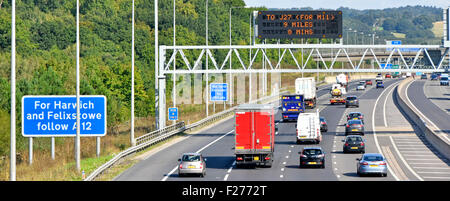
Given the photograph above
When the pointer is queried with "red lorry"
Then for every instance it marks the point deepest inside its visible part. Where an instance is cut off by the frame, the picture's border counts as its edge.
(255, 134)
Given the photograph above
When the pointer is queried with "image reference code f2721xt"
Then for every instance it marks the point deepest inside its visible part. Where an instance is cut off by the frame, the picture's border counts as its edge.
(299, 24)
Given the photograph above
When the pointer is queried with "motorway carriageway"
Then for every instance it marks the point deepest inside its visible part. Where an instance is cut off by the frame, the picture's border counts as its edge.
(217, 142)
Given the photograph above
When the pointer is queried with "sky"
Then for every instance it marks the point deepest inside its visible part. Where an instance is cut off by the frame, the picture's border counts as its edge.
(355, 4)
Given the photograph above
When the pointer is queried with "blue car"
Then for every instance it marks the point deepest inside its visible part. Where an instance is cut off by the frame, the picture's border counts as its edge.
(380, 85)
(371, 163)
(434, 76)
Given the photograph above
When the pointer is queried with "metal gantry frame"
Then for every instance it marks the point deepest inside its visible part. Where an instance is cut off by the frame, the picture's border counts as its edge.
(274, 65)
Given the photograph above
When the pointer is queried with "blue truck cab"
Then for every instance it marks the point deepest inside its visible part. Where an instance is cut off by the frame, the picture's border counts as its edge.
(292, 106)
(444, 79)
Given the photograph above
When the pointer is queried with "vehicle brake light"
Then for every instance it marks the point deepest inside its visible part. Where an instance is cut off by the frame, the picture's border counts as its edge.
(346, 144)
(181, 166)
(201, 166)
(239, 158)
(383, 163)
(362, 143)
(267, 158)
(364, 163)
(348, 126)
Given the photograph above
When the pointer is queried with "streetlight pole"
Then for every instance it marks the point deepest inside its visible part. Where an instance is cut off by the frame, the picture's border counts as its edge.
(12, 159)
(78, 154)
(174, 98)
(133, 143)
(206, 56)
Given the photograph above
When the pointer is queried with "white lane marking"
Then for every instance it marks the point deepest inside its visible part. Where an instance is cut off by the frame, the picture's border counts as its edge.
(176, 167)
(231, 168)
(421, 114)
(384, 106)
(374, 130)
(435, 168)
(434, 172)
(403, 160)
(437, 177)
(282, 169)
(284, 163)
(281, 176)
(226, 177)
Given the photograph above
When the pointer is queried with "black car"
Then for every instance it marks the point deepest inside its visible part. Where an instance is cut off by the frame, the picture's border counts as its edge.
(354, 143)
(312, 156)
(423, 76)
(351, 101)
(354, 127)
(323, 125)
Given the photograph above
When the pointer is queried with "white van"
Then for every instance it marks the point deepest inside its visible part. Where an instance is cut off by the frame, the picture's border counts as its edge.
(308, 128)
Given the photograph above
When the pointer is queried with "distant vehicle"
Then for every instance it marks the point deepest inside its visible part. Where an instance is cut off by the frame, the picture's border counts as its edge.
(403, 76)
(362, 82)
(380, 85)
(379, 77)
(292, 105)
(369, 82)
(254, 134)
(351, 101)
(371, 163)
(192, 163)
(355, 116)
(307, 88)
(434, 76)
(323, 124)
(408, 74)
(444, 79)
(361, 87)
(423, 76)
(354, 127)
(354, 143)
(308, 128)
(342, 79)
(395, 75)
(312, 156)
(337, 92)
(388, 76)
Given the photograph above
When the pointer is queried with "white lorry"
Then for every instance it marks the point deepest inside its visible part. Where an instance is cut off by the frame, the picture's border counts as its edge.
(307, 88)
(342, 79)
(308, 128)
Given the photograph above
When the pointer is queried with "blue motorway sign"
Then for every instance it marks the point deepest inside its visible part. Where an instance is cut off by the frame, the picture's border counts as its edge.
(388, 66)
(173, 114)
(396, 42)
(56, 116)
(218, 91)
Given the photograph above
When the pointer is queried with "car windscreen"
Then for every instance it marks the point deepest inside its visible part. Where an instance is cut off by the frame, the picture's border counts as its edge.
(354, 122)
(444, 78)
(312, 152)
(354, 115)
(354, 139)
(351, 98)
(191, 158)
(373, 158)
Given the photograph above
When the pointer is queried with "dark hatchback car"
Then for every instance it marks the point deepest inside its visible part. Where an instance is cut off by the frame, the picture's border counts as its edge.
(354, 143)
(380, 85)
(312, 156)
(351, 101)
(354, 127)
(423, 76)
(355, 116)
(323, 125)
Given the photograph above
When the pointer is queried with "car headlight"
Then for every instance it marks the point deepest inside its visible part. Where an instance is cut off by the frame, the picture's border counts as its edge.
(284, 109)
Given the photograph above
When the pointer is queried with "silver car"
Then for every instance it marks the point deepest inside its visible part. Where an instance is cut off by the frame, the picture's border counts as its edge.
(192, 163)
(371, 163)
